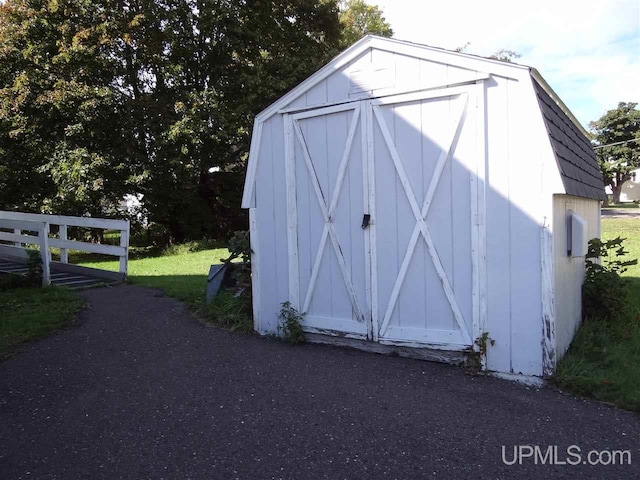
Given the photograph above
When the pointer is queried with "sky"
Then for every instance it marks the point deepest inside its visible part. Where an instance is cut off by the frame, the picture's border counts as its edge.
(587, 50)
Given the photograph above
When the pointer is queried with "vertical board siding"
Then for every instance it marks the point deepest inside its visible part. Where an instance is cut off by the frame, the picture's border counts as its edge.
(434, 115)
(514, 194)
(389, 200)
(498, 226)
(271, 224)
(408, 138)
(569, 271)
(463, 166)
(525, 218)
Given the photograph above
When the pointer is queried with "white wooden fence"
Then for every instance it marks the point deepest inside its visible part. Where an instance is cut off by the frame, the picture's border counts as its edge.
(39, 226)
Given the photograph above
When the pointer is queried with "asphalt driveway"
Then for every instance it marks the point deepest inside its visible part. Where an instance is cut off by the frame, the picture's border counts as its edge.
(140, 389)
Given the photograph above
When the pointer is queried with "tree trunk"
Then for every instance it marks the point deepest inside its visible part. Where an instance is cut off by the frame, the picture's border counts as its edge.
(617, 190)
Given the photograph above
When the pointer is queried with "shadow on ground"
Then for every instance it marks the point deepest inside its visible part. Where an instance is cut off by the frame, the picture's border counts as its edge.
(141, 389)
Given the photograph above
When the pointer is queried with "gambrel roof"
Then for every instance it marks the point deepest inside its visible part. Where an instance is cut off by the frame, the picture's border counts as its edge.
(574, 154)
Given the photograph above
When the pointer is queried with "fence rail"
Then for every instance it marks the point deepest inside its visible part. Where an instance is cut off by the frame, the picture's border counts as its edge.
(40, 224)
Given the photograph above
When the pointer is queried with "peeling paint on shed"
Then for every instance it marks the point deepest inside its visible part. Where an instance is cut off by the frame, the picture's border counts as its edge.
(408, 196)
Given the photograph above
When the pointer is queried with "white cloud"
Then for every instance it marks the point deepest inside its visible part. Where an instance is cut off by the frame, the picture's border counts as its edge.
(588, 51)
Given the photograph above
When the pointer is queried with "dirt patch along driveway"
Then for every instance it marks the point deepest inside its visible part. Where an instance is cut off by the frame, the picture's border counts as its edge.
(141, 389)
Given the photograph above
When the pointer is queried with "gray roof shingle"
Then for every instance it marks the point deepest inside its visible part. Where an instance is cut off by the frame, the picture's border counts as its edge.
(574, 153)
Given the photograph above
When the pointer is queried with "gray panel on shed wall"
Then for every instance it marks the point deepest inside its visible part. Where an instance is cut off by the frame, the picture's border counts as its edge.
(569, 271)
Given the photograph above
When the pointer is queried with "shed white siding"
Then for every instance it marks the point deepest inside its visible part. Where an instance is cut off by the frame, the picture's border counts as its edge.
(569, 271)
(490, 231)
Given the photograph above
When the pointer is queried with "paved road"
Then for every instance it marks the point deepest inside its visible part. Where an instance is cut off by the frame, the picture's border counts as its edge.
(621, 212)
(140, 389)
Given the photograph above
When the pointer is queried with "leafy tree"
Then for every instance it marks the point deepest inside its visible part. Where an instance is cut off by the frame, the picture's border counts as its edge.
(56, 98)
(107, 97)
(617, 138)
(358, 18)
(505, 55)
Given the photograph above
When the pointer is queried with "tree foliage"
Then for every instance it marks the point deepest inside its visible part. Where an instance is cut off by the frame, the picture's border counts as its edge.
(357, 19)
(107, 97)
(505, 55)
(617, 138)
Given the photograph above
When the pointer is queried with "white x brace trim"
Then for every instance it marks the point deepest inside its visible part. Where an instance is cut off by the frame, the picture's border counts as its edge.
(420, 216)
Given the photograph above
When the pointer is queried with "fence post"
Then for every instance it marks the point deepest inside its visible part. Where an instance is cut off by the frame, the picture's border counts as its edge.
(124, 242)
(17, 231)
(64, 253)
(43, 233)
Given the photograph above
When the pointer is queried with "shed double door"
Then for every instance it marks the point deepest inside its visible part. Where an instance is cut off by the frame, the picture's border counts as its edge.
(383, 217)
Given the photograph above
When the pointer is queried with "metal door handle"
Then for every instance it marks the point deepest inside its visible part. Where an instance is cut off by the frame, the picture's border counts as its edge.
(365, 220)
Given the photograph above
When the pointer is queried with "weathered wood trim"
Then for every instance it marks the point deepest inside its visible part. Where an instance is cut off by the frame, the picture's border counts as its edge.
(549, 354)
(419, 352)
(366, 210)
(421, 225)
(344, 162)
(327, 110)
(479, 235)
(326, 213)
(316, 268)
(462, 89)
(448, 57)
(372, 261)
(292, 213)
(342, 169)
(248, 192)
(255, 268)
(389, 98)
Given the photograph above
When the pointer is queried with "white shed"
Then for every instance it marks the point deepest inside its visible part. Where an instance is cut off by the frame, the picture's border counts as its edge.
(414, 198)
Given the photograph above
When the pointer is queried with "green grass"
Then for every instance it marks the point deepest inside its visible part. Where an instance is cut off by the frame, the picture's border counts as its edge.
(31, 313)
(180, 271)
(604, 360)
(181, 274)
(621, 205)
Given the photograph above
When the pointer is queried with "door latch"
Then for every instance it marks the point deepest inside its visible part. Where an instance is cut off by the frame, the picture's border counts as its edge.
(365, 220)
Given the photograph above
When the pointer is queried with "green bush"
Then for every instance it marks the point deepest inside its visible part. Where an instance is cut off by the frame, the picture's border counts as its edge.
(290, 327)
(231, 311)
(605, 294)
(191, 247)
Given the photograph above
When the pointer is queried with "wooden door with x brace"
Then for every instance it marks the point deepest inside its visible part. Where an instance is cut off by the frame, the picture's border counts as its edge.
(384, 217)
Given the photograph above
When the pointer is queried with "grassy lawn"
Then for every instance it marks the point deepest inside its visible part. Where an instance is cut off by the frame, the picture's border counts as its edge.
(621, 205)
(604, 363)
(31, 313)
(182, 275)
